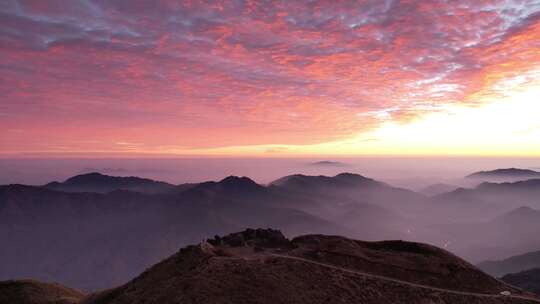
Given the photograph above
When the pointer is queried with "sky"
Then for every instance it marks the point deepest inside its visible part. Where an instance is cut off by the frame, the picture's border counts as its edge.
(269, 78)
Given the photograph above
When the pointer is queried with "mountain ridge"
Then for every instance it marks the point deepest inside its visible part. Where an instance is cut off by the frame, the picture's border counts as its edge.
(101, 183)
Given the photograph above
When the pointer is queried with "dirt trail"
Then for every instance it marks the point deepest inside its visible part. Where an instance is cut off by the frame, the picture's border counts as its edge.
(359, 273)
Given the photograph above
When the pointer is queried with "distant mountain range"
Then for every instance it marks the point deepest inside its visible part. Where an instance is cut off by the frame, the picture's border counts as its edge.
(512, 264)
(348, 187)
(328, 163)
(95, 231)
(489, 199)
(263, 266)
(97, 240)
(505, 175)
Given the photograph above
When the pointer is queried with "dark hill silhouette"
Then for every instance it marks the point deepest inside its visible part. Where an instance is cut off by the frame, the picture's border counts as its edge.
(97, 182)
(34, 292)
(504, 175)
(528, 280)
(262, 266)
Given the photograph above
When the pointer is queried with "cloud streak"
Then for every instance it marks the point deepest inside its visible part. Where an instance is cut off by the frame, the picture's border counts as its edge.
(188, 75)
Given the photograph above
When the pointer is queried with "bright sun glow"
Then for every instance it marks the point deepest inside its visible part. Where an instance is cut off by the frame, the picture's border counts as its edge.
(509, 125)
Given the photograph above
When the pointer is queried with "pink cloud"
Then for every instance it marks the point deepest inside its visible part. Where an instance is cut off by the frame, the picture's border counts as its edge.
(197, 75)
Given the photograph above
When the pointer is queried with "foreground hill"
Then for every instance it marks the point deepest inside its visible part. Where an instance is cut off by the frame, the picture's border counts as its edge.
(528, 280)
(100, 183)
(34, 292)
(512, 264)
(262, 266)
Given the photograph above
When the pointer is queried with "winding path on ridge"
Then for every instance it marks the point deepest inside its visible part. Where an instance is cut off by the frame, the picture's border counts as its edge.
(363, 274)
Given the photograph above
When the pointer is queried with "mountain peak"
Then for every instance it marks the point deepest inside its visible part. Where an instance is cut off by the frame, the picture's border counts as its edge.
(351, 176)
(238, 180)
(233, 184)
(312, 180)
(88, 177)
(240, 183)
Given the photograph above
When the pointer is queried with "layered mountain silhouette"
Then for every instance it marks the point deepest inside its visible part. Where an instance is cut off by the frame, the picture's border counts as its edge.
(505, 235)
(98, 240)
(515, 205)
(351, 187)
(93, 241)
(489, 199)
(97, 182)
(105, 234)
(262, 266)
(528, 280)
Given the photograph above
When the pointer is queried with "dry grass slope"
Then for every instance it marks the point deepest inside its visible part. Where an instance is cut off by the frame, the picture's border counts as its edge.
(262, 267)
